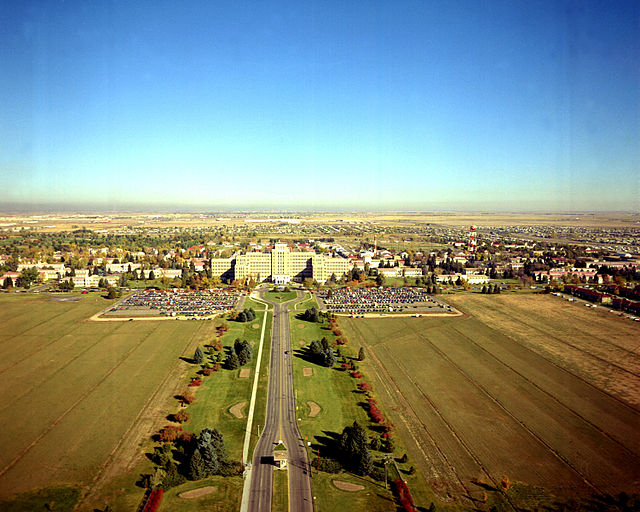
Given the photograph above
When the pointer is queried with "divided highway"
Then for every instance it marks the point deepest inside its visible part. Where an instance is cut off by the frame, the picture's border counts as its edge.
(281, 425)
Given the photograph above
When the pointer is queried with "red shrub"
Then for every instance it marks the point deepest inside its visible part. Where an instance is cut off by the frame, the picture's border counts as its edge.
(403, 494)
(216, 367)
(153, 501)
(356, 375)
(195, 382)
(181, 416)
(345, 366)
(170, 434)
(337, 332)
(376, 414)
(365, 386)
(207, 371)
(188, 398)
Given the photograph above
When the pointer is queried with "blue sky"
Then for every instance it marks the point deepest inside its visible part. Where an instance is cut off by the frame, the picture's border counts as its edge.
(376, 105)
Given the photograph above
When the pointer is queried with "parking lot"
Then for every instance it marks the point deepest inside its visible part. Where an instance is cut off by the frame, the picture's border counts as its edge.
(190, 303)
(359, 301)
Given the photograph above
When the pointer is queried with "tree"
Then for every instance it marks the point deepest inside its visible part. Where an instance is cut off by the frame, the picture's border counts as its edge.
(233, 363)
(354, 450)
(243, 350)
(380, 280)
(198, 356)
(151, 275)
(111, 293)
(26, 277)
(361, 354)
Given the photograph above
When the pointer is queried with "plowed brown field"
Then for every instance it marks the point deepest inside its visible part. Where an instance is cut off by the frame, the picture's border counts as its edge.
(528, 386)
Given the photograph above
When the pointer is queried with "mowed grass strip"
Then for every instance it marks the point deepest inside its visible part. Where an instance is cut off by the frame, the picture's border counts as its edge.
(224, 389)
(78, 412)
(336, 394)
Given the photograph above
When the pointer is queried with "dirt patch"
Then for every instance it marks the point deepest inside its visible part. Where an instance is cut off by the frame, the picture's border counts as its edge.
(347, 486)
(236, 410)
(64, 299)
(255, 326)
(244, 373)
(315, 409)
(301, 326)
(307, 372)
(197, 493)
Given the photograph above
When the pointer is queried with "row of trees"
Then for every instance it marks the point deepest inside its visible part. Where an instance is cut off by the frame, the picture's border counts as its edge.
(492, 288)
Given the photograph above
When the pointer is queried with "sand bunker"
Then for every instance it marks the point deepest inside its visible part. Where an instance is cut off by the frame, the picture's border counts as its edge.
(301, 326)
(236, 410)
(307, 372)
(315, 409)
(347, 486)
(255, 326)
(301, 343)
(244, 373)
(197, 493)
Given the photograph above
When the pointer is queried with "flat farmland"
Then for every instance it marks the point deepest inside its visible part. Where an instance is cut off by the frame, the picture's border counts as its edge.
(71, 389)
(525, 386)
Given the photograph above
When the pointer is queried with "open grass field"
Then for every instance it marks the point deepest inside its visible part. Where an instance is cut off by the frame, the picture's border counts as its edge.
(218, 393)
(72, 389)
(524, 386)
(340, 403)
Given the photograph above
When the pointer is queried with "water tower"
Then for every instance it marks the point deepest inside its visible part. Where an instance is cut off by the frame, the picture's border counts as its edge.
(473, 239)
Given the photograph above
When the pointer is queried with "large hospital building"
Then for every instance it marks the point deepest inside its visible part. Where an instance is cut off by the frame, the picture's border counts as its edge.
(280, 265)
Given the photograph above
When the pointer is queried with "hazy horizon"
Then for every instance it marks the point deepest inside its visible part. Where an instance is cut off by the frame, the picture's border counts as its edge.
(500, 106)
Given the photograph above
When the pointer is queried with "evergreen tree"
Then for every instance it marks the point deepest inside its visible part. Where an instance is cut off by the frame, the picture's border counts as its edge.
(432, 507)
(361, 354)
(354, 450)
(151, 275)
(208, 451)
(242, 316)
(197, 469)
(198, 356)
(233, 363)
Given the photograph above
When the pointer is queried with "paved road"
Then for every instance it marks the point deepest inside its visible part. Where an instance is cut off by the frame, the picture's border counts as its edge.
(281, 425)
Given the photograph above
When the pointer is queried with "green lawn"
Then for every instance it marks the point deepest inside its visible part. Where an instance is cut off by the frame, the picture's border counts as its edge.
(225, 388)
(335, 392)
(280, 500)
(279, 296)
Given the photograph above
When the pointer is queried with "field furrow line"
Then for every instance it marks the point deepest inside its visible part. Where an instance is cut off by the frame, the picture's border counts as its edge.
(40, 349)
(555, 399)
(576, 347)
(388, 382)
(16, 335)
(491, 397)
(71, 408)
(27, 391)
(133, 430)
(525, 346)
(590, 326)
(451, 428)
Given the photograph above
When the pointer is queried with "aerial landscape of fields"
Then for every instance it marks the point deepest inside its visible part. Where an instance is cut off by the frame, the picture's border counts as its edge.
(320, 256)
